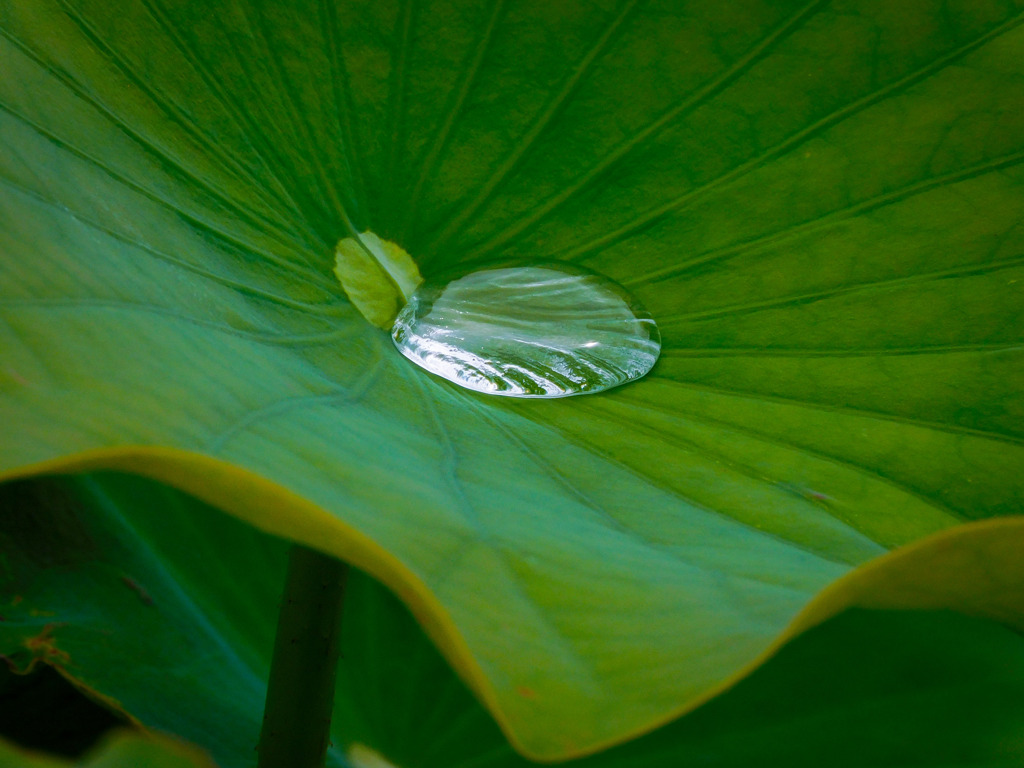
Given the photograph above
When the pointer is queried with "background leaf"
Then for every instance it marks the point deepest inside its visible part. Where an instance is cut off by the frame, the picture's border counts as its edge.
(819, 202)
(122, 751)
(133, 584)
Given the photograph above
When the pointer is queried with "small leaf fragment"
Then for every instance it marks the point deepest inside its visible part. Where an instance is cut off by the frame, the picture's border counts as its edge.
(378, 276)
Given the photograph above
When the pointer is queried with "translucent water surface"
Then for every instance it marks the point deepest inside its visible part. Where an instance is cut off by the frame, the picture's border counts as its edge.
(533, 331)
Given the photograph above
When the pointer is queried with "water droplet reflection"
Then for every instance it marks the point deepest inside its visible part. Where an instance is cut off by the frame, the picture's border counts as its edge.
(534, 331)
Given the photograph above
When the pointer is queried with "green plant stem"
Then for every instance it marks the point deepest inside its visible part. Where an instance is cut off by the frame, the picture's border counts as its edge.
(300, 693)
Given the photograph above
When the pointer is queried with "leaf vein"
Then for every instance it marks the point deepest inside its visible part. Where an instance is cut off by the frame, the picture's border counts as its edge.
(853, 288)
(344, 110)
(270, 338)
(980, 348)
(454, 108)
(952, 429)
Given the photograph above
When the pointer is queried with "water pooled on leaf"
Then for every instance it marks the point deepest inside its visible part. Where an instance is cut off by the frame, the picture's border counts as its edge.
(531, 331)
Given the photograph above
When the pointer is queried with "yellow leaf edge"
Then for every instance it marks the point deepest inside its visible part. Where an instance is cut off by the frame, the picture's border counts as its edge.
(123, 748)
(976, 568)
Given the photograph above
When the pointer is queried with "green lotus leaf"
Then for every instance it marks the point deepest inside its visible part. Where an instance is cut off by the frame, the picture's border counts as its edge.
(820, 203)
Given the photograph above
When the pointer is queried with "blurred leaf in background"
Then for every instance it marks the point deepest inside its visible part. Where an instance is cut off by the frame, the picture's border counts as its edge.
(122, 750)
(185, 647)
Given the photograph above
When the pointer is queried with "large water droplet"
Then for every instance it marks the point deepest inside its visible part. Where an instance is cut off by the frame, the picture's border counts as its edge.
(535, 331)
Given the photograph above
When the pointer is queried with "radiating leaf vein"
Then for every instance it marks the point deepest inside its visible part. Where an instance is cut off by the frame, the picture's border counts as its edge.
(529, 138)
(953, 429)
(869, 286)
(331, 308)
